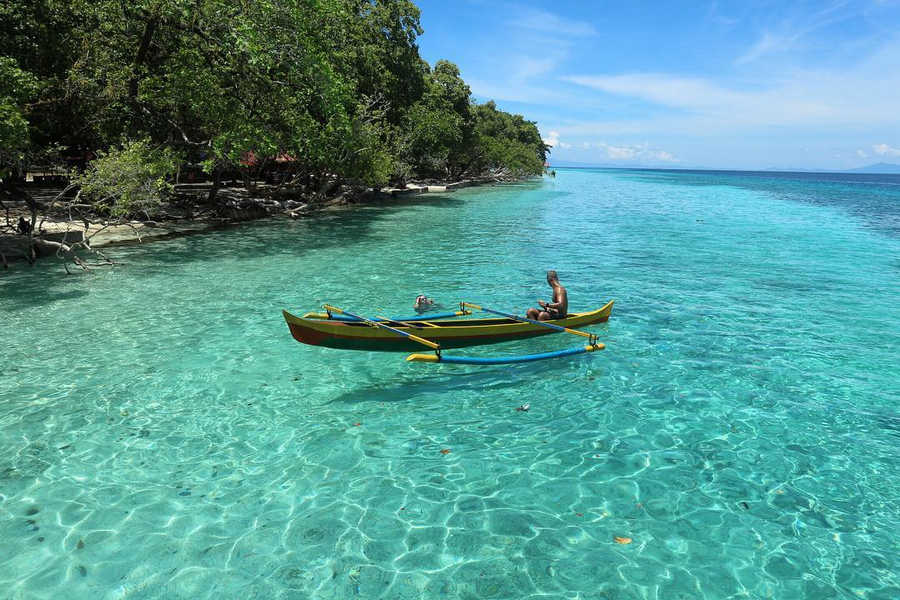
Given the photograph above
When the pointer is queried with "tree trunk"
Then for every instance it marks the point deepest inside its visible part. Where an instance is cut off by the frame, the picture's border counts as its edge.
(140, 56)
(217, 184)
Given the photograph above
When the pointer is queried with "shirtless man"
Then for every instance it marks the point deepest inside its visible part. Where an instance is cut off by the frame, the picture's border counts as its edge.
(558, 308)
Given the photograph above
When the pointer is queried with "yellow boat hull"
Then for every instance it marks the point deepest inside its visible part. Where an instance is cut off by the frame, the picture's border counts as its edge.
(315, 330)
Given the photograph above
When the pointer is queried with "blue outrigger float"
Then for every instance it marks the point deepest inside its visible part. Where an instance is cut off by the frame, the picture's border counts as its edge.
(338, 328)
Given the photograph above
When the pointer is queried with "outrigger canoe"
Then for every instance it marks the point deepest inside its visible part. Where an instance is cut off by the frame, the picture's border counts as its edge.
(342, 330)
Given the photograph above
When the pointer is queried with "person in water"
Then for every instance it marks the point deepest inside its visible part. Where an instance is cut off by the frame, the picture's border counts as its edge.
(557, 308)
(423, 303)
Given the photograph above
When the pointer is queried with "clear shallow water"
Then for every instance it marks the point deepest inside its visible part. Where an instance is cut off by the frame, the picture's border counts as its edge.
(162, 436)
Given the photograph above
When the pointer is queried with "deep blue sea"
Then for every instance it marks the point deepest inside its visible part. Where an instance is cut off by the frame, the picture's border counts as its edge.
(163, 436)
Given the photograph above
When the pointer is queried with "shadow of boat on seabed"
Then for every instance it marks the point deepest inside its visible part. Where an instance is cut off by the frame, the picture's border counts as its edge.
(416, 381)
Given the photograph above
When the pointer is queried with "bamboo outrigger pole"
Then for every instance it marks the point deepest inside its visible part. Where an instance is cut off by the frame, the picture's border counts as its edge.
(469, 360)
(370, 322)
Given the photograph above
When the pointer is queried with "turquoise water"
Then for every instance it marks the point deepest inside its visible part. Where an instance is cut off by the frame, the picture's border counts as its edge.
(163, 436)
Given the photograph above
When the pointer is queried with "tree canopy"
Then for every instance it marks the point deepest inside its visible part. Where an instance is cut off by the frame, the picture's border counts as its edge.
(336, 85)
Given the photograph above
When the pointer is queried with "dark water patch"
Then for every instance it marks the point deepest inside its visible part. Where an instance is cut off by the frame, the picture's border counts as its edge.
(437, 200)
(419, 382)
(267, 237)
(41, 284)
(40, 296)
(891, 423)
(874, 199)
(792, 285)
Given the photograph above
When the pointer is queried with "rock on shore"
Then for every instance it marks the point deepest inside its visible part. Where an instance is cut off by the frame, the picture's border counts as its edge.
(232, 205)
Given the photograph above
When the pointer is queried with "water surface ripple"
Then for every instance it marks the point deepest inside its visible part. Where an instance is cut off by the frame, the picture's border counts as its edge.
(162, 436)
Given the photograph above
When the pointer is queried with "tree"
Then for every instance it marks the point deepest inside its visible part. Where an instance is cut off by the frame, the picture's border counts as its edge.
(506, 143)
(129, 180)
(41, 38)
(17, 87)
(337, 86)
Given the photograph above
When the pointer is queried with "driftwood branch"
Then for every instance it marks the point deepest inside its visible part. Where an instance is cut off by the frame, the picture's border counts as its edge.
(69, 251)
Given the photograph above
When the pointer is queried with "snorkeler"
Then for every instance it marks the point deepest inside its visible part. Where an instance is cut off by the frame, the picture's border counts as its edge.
(423, 303)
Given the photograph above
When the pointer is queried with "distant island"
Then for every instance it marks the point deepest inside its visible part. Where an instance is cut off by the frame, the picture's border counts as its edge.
(879, 168)
(875, 169)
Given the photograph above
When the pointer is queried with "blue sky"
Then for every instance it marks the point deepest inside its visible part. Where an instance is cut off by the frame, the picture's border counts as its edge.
(749, 85)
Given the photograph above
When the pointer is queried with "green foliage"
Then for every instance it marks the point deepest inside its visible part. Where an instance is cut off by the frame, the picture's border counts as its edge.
(445, 134)
(131, 179)
(16, 87)
(507, 142)
(372, 44)
(42, 38)
(437, 129)
(336, 84)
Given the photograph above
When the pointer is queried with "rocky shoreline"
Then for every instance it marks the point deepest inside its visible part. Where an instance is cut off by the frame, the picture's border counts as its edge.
(234, 205)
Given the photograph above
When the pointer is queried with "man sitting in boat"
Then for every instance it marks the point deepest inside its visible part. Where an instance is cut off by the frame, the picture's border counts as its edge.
(556, 309)
(423, 303)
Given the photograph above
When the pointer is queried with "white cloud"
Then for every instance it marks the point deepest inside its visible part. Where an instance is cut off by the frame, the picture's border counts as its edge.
(633, 152)
(546, 22)
(768, 106)
(511, 90)
(785, 104)
(665, 156)
(862, 96)
(521, 64)
(526, 67)
(619, 152)
(668, 90)
(790, 32)
(861, 154)
(885, 150)
(717, 17)
(769, 43)
(553, 141)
